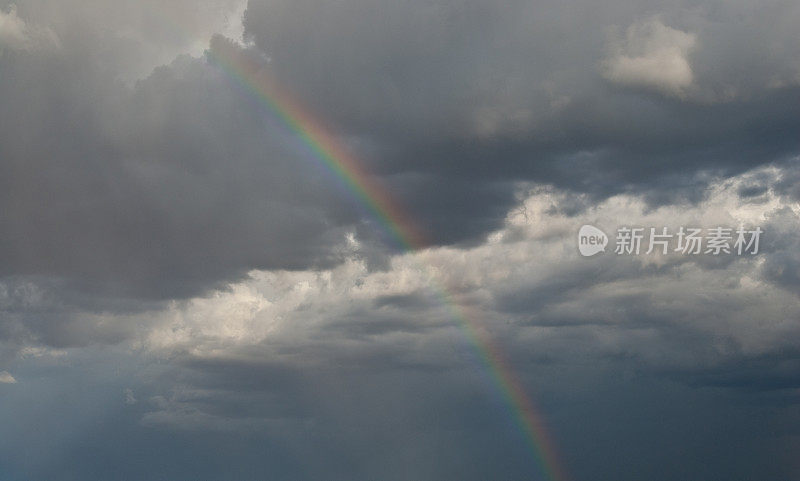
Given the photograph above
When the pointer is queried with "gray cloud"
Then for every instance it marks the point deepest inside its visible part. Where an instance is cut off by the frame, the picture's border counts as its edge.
(670, 339)
(186, 293)
(465, 90)
(158, 192)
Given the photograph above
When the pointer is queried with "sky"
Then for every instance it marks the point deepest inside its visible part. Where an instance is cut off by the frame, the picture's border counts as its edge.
(304, 239)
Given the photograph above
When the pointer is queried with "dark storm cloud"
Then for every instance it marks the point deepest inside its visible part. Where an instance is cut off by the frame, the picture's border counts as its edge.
(512, 90)
(118, 196)
(162, 191)
(339, 425)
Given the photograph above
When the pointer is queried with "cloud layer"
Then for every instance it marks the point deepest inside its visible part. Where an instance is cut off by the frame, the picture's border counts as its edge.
(183, 182)
(187, 292)
(326, 360)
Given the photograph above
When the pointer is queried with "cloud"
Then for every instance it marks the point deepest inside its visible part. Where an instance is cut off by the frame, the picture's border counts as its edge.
(530, 287)
(15, 34)
(176, 265)
(6, 378)
(313, 360)
(131, 39)
(462, 94)
(652, 55)
(12, 28)
(451, 106)
(176, 187)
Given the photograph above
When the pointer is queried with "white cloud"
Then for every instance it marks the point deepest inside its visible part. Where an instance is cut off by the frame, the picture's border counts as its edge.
(13, 31)
(524, 263)
(6, 378)
(16, 34)
(652, 55)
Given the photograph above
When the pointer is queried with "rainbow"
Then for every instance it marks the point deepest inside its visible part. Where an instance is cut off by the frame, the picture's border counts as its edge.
(251, 74)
